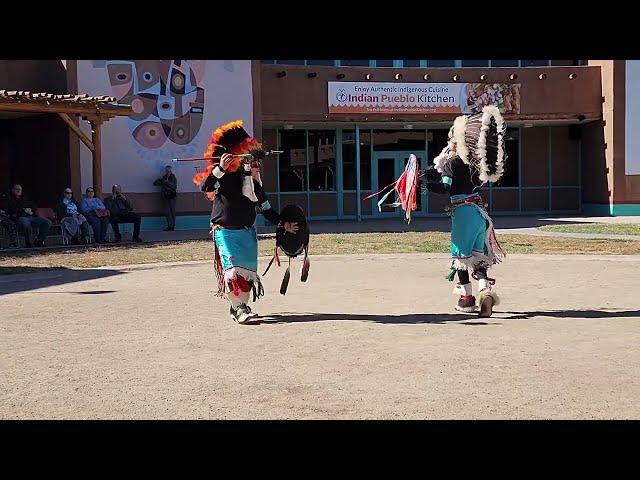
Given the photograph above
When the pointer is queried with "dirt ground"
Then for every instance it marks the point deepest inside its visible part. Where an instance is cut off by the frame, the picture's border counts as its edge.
(367, 337)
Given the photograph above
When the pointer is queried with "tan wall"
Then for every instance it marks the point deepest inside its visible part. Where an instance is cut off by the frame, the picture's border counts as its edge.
(621, 188)
(632, 188)
(257, 94)
(613, 84)
(631, 184)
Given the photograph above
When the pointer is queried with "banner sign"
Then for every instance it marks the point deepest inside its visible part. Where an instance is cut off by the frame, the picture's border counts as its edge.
(455, 98)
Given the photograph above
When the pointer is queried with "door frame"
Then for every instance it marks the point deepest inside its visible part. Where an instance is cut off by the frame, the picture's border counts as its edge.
(375, 186)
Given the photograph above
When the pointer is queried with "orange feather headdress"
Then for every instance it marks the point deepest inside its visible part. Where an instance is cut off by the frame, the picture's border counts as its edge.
(229, 138)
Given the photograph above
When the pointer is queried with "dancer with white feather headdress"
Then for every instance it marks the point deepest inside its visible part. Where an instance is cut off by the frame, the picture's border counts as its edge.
(473, 156)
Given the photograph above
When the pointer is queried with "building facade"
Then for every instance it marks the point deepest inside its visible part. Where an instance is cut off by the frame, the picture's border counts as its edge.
(346, 128)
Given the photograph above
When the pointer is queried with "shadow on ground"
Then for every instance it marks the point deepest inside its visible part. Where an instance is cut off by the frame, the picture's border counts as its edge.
(412, 318)
(610, 313)
(30, 278)
(442, 318)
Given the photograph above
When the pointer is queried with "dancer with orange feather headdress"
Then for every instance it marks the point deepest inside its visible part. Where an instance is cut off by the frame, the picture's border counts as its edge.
(232, 182)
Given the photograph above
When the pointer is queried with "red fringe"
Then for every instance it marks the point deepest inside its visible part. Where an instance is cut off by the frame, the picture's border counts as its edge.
(239, 284)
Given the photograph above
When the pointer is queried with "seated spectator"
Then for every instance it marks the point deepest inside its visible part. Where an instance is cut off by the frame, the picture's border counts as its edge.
(122, 212)
(73, 222)
(97, 215)
(23, 211)
(9, 228)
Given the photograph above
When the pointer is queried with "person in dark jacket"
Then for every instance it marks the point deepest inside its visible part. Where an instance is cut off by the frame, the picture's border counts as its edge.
(121, 211)
(23, 211)
(169, 190)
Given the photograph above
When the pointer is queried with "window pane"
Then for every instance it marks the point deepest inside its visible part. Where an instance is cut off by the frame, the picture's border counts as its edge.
(269, 62)
(535, 63)
(504, 63)
(439, 140)
(411, 63)
(441, 63)
(475, 63)
(384, 63)
(321, 62)
(512, 164)
(293, 164)
(399, 140)
(322, 160)
(354, 63)
(349, 160)
(290, 62)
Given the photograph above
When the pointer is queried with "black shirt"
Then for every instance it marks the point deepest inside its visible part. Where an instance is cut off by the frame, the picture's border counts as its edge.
(118, 205)
(15, 206)
(230, 207)
(463, 180)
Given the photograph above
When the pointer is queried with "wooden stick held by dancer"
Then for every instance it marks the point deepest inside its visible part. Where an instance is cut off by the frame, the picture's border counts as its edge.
(241, 155)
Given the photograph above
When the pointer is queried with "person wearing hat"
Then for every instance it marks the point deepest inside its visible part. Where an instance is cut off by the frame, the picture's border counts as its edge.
(232, 182)
(169, 190)
(474, 156)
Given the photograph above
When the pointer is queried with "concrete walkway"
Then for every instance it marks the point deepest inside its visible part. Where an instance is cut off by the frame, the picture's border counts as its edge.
(367, 337)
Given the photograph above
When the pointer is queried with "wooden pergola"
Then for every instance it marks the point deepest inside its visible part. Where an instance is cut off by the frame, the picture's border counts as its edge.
(94, 109)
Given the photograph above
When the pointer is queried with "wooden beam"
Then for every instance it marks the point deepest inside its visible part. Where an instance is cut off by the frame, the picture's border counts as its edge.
(97, 157)
(86, 140)
(65, 107)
